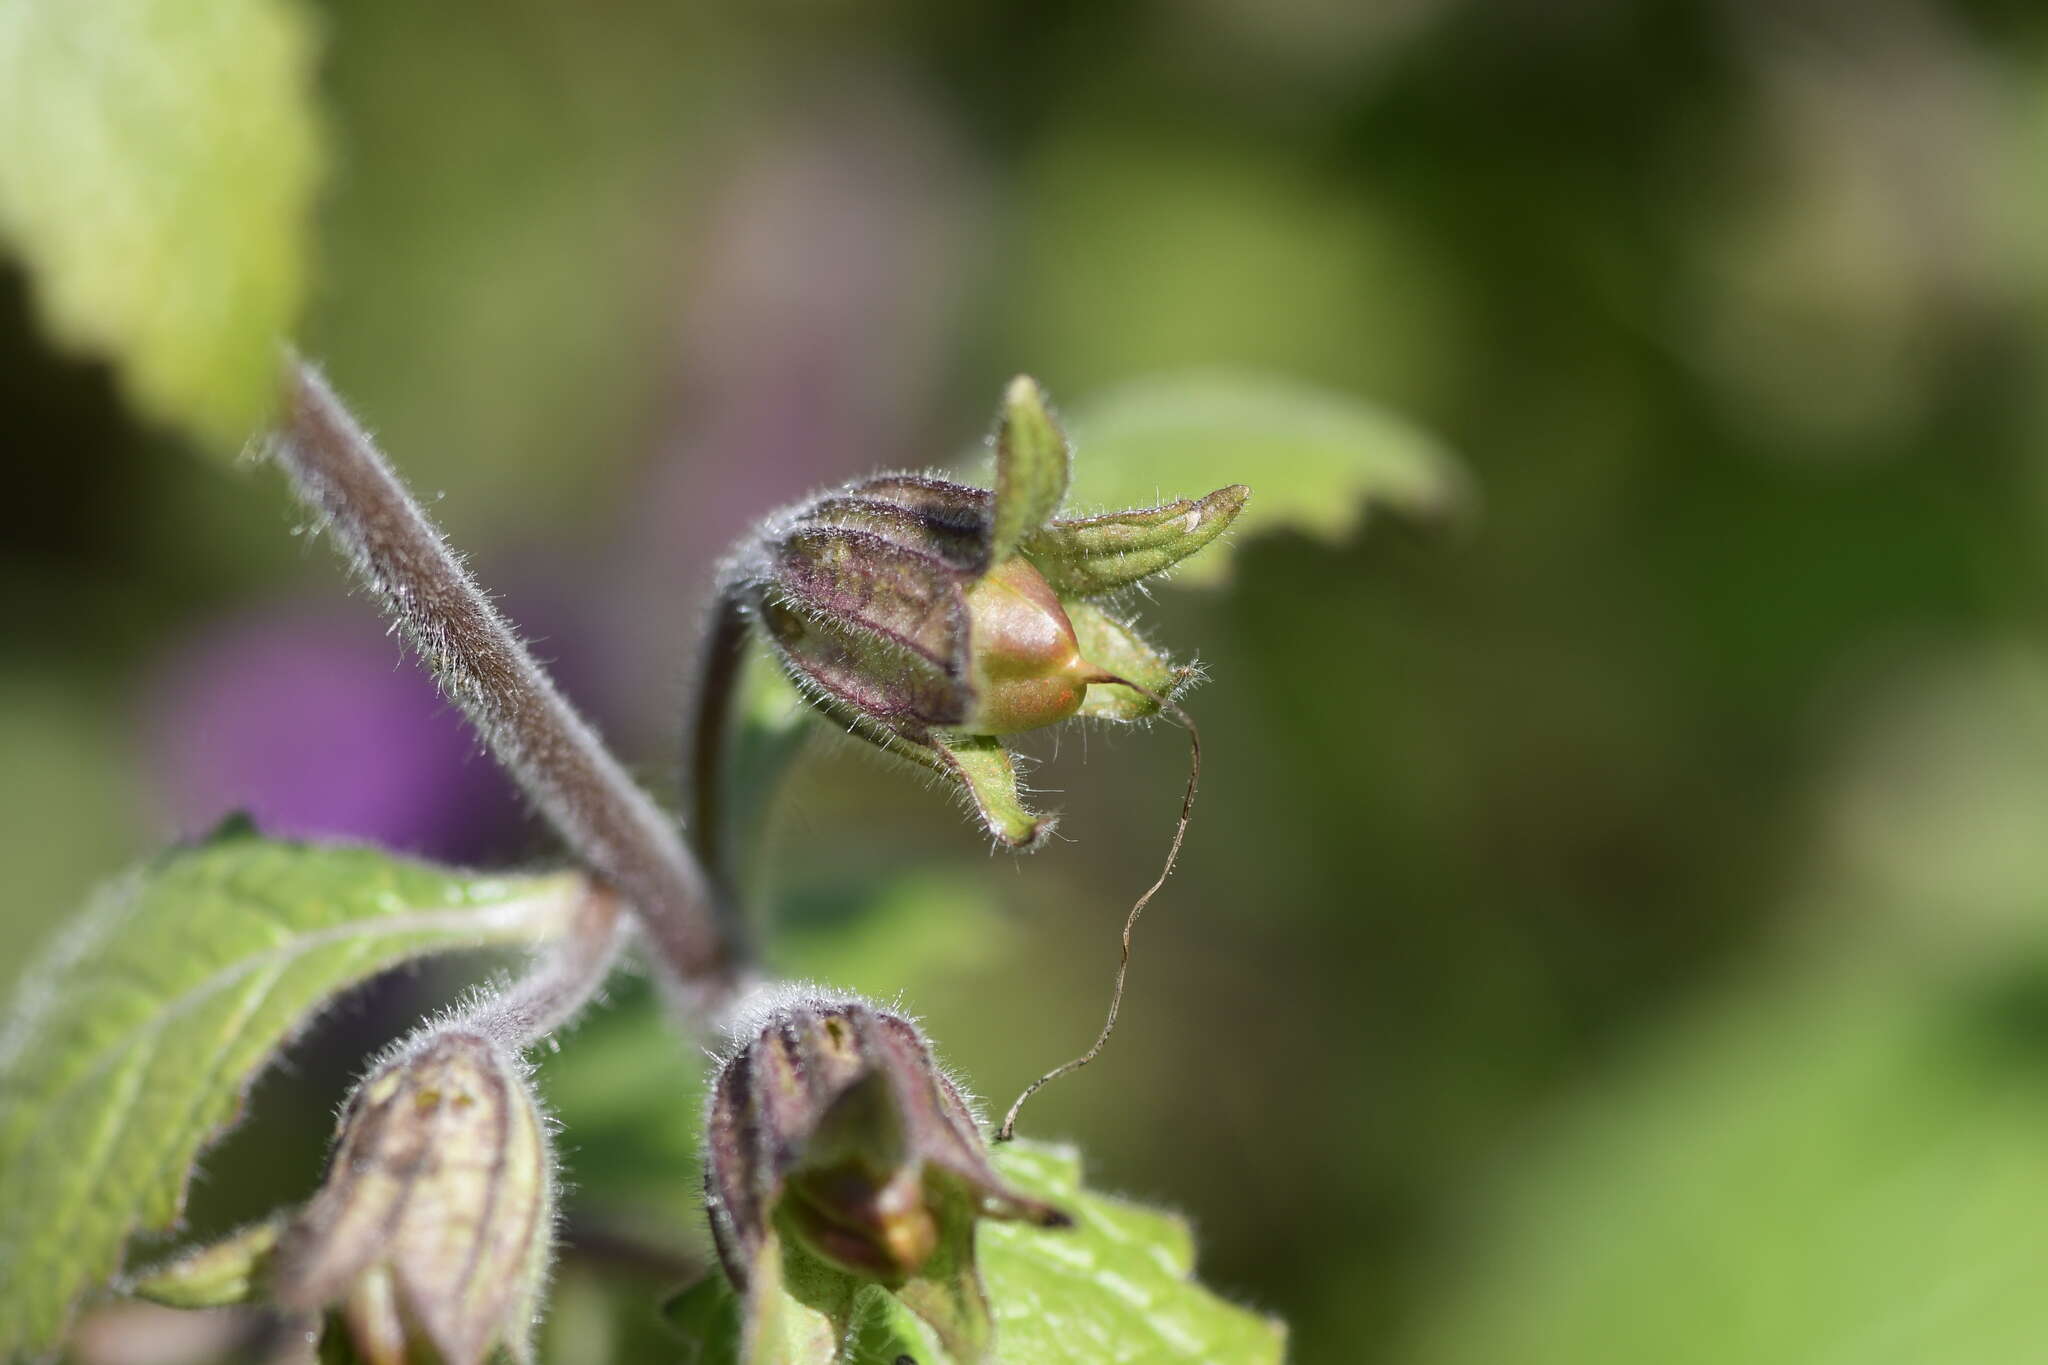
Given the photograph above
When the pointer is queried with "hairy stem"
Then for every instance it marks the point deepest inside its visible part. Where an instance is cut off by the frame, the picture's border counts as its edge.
(561, 980)
(721, 657)
(481, 665)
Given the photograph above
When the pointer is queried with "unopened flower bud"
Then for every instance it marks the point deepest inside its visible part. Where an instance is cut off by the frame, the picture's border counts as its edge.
(833, 1138)
(934, 619)
(1026, 668)
(432, 1232)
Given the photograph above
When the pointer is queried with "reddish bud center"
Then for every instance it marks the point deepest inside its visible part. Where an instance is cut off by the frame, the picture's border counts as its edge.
(1027, 664)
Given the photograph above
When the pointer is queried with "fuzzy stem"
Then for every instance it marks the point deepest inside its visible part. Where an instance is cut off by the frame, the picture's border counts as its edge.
(561, 980)
(481, 665)
(721, 659)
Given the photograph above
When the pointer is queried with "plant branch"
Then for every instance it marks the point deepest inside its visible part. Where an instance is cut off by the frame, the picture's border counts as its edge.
(481, 665)
(561, 980)
(721, 658)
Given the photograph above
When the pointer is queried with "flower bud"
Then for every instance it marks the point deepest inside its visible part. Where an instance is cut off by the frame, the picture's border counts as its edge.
(433, 1229)
(1025, 668)
(835, 1144)
(933, 619)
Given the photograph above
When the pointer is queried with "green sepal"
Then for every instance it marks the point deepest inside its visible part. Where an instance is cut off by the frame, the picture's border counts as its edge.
(798, 1310)
(1114, 647)
(947, 1293)
(978, 764)
(985, 769)
(1088, 556)
(213, 1276)
(711, 1319)
(767, 1327)
(763, 1331)
(1117, 1286)
(1032, 462)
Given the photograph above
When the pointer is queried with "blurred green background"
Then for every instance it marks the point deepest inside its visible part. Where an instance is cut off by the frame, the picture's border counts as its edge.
(1614, 930)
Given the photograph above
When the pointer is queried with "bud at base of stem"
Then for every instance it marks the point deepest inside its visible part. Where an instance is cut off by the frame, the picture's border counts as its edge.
(839, 1156)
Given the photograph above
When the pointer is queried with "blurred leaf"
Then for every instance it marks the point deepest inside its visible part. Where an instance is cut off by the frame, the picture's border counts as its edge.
(138, 1034)
(1118, 1281)
(1143, 250)
(917, 927)
(627, 1088)
(606, 1311)
(160, 166)
(1839, 1165)
(68, 808)
(1930, 819)
(1316, 461)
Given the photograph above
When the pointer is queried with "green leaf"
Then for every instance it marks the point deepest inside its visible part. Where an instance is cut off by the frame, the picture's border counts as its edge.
(142, 1028)
(1031, 468)
(892, 934)
(1119, 1282)
(1121, 1278)
(159, 173)
(1088, 556)
(1828, 1164)
(1316, 460)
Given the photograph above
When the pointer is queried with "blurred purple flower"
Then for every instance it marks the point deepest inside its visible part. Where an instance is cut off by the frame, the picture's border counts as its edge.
(316, 723)
(819, 323)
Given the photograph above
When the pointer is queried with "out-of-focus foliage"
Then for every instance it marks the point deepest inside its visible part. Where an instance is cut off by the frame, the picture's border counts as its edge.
(161, 160)
(1838, 1152)
(1738, 313)
(1874, 1192)
(1321, 462)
